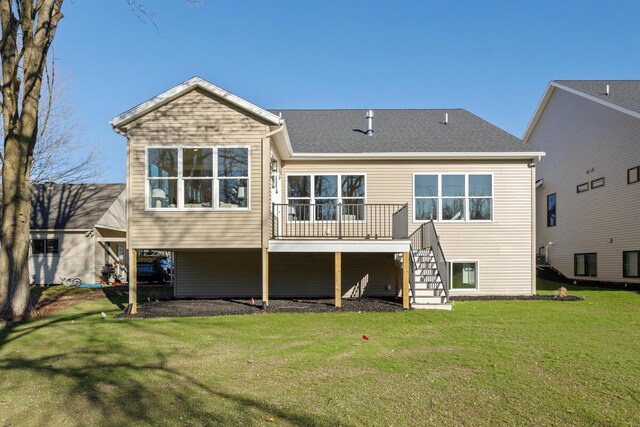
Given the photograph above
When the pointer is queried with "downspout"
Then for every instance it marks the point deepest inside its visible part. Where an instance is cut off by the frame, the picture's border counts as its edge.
(532, 166)
(265, 188)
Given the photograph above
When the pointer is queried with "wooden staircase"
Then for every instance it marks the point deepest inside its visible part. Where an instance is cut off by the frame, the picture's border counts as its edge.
(427, 288)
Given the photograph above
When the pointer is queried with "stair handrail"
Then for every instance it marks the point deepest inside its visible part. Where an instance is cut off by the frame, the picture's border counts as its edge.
(426, 237)
(438, 254)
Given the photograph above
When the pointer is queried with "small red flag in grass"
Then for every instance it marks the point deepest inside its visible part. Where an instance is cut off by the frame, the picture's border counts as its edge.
(366, 338)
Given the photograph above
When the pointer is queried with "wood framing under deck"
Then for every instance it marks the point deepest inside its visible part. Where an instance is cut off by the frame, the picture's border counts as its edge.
(338, 279)
(405, 280)
(133, 281)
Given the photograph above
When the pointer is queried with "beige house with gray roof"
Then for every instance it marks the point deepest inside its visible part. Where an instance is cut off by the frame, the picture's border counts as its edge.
(75, 230)
(589, 184)
(421, 204)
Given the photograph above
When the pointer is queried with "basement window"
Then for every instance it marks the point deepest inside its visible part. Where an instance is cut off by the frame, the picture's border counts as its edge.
(464, 275)
(631, 262)
(585, 264)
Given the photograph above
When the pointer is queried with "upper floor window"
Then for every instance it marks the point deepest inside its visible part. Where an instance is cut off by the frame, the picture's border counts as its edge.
(463, 197)
(551, 210)
(44, 246)
(320, 197)
(197, 178)
(633, 175)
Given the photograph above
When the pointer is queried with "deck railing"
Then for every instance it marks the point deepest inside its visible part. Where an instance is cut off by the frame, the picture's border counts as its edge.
(339, 221)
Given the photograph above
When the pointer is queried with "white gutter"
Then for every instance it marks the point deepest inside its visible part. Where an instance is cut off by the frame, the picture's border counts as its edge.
(536, 155)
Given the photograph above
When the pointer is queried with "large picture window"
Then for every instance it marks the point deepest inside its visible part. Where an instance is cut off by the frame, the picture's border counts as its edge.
(631, 263)
(551, 210)
(585, 264)
(197, 178)
(453, 197)
(324, 197)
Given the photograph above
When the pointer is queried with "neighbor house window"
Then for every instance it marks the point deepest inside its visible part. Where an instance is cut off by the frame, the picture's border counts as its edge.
(597, 183)
(631, 261)
(323, 197)
(633, 175)
(458, 197)
(44, 246)
(551, 210)
(585, 264)
(582, 187)
(464, 275)
(198, 178)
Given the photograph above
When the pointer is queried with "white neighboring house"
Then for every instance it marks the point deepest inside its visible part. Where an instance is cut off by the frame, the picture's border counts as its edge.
(75, 230)
(588, 188)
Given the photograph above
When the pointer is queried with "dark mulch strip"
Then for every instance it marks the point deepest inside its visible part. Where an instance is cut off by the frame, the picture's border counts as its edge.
(218, 307)
(515, 298)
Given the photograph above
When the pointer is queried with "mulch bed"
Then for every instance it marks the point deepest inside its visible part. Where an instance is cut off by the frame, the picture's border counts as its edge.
(515, 298)
(219, 307)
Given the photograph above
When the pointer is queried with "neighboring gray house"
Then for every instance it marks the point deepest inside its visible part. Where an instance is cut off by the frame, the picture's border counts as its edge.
(589, 184)
(75, 230)
(294, 203)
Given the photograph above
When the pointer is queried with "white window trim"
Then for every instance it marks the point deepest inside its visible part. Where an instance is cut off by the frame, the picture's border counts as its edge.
(468, 261)
(180, 180)
(439, 198)
(338, 199)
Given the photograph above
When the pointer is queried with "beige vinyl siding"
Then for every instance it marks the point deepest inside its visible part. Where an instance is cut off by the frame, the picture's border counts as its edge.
(217, 274)
(502, 247)
(237, 273)
(579, 135)
(195, 119)
(76, 258)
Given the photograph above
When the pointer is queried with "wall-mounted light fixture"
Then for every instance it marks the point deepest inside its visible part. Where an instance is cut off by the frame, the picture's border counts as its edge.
(274, 165)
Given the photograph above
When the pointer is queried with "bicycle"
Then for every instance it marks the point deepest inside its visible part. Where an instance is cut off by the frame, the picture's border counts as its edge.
(68, 281)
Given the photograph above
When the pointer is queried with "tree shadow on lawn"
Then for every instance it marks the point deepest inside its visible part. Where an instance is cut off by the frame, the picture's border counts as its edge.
(122, 384)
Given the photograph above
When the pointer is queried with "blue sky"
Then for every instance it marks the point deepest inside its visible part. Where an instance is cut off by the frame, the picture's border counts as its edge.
(493, 58)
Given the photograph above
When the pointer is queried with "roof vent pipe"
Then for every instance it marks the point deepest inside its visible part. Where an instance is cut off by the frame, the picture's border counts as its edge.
(606, 92)
(446, 118)
(369, 117)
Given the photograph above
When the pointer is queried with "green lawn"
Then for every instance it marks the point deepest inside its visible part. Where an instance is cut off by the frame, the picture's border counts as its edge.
(484, 363)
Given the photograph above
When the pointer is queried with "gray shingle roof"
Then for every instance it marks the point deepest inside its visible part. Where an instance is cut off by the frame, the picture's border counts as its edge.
(70, 206)
(625, 93)
(401, 131)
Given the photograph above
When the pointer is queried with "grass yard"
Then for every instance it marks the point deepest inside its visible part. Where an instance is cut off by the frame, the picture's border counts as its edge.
(484, 363)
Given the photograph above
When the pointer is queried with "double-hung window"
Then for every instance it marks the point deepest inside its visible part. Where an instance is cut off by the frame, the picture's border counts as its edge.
(453, 197)
(324, 197)
(197, 178)
(233, 177)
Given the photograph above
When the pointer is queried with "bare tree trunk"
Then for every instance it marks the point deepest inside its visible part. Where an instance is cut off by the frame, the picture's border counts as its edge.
(22, 71)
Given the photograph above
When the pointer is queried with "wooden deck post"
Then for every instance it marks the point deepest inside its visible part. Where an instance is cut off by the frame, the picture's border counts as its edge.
(133, 281)
(338, 279)
(265, 277)
(405, 280)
